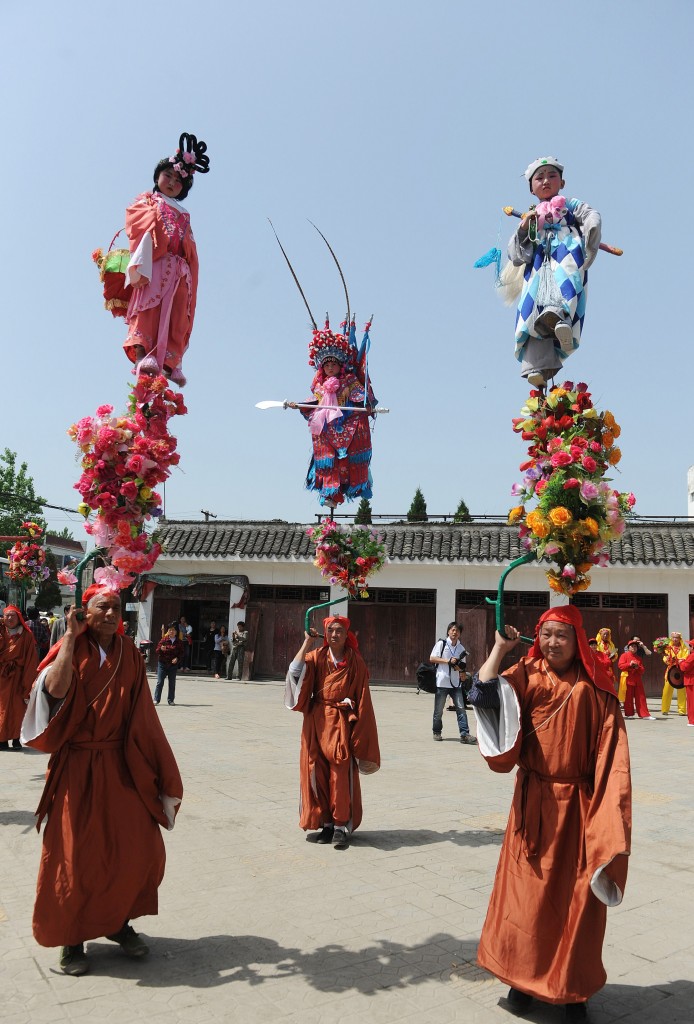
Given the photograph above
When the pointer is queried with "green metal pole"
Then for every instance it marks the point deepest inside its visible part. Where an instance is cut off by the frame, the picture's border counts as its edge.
(79, 570)
(529, 556)
(315, 607)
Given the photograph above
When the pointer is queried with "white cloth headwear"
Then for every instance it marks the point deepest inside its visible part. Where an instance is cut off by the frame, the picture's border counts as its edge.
(541, 162)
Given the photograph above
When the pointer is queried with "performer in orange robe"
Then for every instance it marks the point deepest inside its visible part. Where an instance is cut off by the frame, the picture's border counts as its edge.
(564, 855)
(18, 661)
(330, 686)
(163, 268)
(112, 781)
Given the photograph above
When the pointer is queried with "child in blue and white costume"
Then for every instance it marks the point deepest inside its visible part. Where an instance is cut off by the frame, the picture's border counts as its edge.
(555, 244)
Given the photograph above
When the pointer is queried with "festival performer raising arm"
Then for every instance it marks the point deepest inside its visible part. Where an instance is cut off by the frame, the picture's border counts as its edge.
(18, 661)
(555, 244)
(91, 710)
(339, 468)
(556, 717)
(674, 652)
(163, 268)
(339, 739)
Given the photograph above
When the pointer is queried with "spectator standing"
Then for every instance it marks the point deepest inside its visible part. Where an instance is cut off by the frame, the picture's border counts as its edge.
(170, 657)
(221, 651)
(42, 638)
(239, 639)
(209, 645)
(185, 635)
(450, 658)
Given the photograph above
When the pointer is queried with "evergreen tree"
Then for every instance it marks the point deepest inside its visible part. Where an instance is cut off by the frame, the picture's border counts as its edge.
(418, 509)
(363, 515)
(462, 514)
(18, 500)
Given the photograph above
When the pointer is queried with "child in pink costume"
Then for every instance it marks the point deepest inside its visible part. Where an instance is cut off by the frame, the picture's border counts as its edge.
(163, 268)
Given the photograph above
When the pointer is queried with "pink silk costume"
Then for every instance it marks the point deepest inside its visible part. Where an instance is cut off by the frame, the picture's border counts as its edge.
(160, 314)
(342, 450)
(565, 852)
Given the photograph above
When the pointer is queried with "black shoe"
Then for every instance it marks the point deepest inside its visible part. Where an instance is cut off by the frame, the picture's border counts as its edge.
(324, 837)
(438, 736)
(340, 839)
(520, 1002)
(130, 942)
(467, 738)
(16, 745)
(170, 703)
(73, 961)
(4, 745)
(576, 1011)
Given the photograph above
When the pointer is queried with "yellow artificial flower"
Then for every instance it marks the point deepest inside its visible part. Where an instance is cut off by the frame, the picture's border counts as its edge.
(592, 526)
(614, 456)
(560, 516)
(584, 567)
(145, 493)
(84, 509)
(590, 414)
(537, 523)
(531, 406)
(515, 514)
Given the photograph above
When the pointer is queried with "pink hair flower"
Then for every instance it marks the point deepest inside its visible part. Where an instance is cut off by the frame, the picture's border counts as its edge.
(189, 158)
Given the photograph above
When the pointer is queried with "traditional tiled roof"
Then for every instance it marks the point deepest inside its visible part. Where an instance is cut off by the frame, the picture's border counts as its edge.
(643, 543)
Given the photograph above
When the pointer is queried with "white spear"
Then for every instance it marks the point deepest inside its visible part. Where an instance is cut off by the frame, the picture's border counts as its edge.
(269, 404)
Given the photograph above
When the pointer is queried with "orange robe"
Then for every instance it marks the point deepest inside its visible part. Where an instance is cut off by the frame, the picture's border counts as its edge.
(336, 738)
(103, 853)
(18, 661)
(564, 854)
(174, 270)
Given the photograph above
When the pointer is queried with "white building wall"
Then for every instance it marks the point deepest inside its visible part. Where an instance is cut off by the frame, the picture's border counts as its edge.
(677, 581)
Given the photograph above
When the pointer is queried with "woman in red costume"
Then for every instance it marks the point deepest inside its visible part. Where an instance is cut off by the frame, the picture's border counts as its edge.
(18, 661)
(632, 667)
(163, 268)
(555, 716)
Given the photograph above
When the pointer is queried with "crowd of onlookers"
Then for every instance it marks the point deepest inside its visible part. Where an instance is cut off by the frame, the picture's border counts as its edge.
(221, 653)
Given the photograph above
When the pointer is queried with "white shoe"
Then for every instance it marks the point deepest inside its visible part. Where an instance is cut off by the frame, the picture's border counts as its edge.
(565, 337)
(690, 725)
(648, 718)
(628, 717)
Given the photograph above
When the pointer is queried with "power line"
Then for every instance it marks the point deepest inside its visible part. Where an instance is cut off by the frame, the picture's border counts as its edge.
(4, 495)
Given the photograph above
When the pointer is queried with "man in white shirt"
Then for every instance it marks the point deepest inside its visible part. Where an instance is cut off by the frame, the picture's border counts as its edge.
(450, 656)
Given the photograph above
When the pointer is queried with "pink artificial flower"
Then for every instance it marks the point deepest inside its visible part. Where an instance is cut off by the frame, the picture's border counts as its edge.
(569, 571)
(129, 490)
(104, 410)
(111, 578)
(589, 490)
(552, 548)
(571, 483)
(560, 459)
(66, 578)
(589, 464)
(189, 158)
(631, 499)
(517, 490)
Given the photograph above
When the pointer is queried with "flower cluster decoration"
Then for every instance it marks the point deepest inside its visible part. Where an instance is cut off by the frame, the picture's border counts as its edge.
(123, 459)
(28, 558)
(578, 513)
(347, 555)
(662, 643)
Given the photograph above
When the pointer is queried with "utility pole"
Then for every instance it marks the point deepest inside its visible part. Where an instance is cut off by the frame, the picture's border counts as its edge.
(207, 515)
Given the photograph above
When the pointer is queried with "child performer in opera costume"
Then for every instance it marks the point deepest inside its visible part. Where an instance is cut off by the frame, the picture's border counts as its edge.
(163, 268)
(553, 247)
(339, 468)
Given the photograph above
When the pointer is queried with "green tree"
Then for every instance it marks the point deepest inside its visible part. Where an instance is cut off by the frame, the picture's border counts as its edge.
(65, 534)
(363, 515)
(418, 509)
(18, 499)
(462, 513)
(48, 595)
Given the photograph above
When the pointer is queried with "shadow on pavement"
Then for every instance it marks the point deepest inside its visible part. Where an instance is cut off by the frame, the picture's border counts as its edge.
(396, 839)
(222, 959)
(26, 818)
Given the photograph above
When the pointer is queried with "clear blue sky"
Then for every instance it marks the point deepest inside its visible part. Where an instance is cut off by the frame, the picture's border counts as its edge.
(401, 129)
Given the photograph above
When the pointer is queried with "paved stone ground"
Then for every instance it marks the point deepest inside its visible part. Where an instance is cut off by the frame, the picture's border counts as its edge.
(257, 925)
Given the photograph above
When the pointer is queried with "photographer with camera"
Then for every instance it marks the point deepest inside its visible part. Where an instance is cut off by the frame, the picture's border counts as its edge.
(450, 658)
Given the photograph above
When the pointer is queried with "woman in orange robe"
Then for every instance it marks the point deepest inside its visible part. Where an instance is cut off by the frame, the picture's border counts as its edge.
(339, 739)
(163, 268)
(564, 855)
(18, 661)
(92, 710)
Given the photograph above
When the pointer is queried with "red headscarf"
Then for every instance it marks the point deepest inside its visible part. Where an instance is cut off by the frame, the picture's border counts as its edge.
(570, 615)
(351, 640)
(90, 592)
(14, 608)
